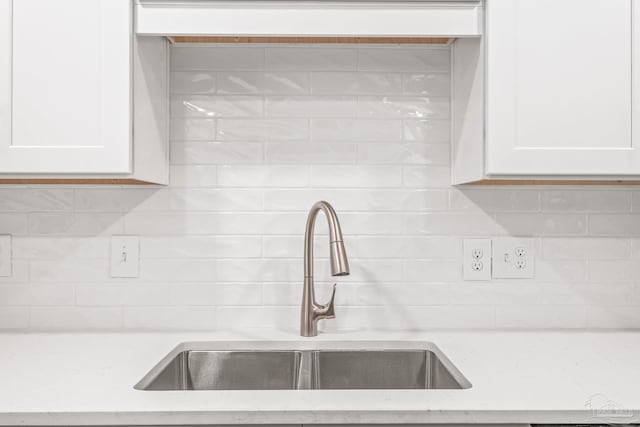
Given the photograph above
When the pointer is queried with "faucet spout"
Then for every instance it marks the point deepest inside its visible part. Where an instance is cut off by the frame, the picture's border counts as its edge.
(312, 311)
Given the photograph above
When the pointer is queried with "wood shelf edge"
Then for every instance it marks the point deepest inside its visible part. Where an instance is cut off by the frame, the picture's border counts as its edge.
(499, 182)
(311, 40)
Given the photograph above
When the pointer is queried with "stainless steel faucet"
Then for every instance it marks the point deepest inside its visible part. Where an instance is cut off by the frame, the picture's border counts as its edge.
(311, 310)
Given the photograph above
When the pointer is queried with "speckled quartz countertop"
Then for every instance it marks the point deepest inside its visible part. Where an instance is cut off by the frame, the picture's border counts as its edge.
(524, 377)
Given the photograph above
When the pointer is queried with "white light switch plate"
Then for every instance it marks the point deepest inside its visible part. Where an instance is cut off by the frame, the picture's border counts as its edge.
(477, 259)
(513, 258)
(125, 256)
(5, 256)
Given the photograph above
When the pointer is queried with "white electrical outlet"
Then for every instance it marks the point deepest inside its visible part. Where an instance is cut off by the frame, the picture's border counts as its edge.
(5, 256)
(125, 256)
(513, 258)
(477, 259)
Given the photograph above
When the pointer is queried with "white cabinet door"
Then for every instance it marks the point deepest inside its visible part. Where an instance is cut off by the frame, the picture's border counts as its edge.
(5, 72)
(559, 88)
(65, 86)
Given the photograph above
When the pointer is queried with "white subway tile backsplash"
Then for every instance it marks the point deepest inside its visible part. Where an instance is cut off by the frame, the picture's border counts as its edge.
(203, 106)
(356, 83)
(586, 248)
(561, 271)
(361, 177)
(201, 247)
(75, 224)
(207, 199)
(451, 224)
(608, 294)
(75, 318)
(404, 107)
(258, 134)
(187, 129)
(406, 247)
(404, 153)
(267, 318)
(208, 58)
(432, 271)
(215, 153)
(621, 317)
(310, 153)
(410, 318)
(123, 294)
(618, 225)
(30, 199)
(262, 129)
(193, 176)
(263, 176)
(262, 82)
(121, 200)
(19, 272)
(316, 59)
(288, 294)
(179, 270)
(528, 224)
(367, 200)
(586, 201)
(259, 270)
(495, 200)
(356, 130)
(170, 318)
(405, 60)
(193, 82)
(429, 84)
(635, 201)
(617, 271)
(14, 318)
(13, 223)
(21, 295)
(427, 131)
(33, 247)
(316, 106)
(200, 223)
(69, 270)
(215, 294)
(426, 177)
(399, 294)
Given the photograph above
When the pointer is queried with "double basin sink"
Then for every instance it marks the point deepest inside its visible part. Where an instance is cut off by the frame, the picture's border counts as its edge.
(287, 366)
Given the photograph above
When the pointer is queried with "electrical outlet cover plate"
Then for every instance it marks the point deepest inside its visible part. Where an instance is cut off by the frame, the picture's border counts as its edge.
(477, 259)
(125, 256)
(513, 258)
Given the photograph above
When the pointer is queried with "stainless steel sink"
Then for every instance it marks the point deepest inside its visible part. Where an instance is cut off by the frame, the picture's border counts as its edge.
(382, 369)
(229, 370)
(269, 366)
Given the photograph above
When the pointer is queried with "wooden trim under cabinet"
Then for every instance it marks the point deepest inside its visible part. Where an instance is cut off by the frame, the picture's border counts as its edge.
(310, 40)
(498, 182)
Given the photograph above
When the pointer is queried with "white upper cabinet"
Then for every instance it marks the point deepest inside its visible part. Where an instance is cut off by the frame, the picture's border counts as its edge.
(559, 88)
(74, 85)
(66, 86)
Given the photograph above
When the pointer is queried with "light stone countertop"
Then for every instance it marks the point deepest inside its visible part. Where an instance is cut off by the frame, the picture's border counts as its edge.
(519, 377)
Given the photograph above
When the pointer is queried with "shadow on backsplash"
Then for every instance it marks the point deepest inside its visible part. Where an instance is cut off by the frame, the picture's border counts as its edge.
(259, 137)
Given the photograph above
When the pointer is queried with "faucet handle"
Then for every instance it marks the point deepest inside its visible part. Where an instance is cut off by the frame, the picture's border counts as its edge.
(329, 309)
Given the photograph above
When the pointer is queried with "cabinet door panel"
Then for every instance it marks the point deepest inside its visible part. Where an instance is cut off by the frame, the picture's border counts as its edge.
(70, 74)
(559, 88)
(5, 72)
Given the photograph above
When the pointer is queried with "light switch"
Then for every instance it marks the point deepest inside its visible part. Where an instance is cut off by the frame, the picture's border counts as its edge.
(5, 256)
(125, 256)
